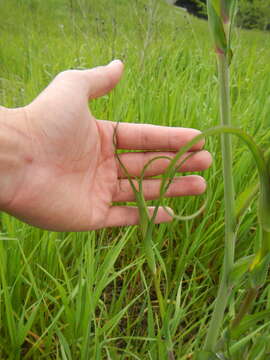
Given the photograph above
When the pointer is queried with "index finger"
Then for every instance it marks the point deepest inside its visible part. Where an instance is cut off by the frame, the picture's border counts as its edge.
(153, 137)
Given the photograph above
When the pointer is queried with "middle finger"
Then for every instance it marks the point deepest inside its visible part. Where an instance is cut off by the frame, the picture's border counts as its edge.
(135, 162)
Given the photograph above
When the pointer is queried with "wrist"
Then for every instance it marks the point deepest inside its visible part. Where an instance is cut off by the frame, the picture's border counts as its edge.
(12, 154)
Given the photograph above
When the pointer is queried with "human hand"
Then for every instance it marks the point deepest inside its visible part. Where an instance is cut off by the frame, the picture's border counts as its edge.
(60, 164)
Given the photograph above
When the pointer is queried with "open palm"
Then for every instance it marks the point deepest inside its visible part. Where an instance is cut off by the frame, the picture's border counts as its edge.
(71, 176)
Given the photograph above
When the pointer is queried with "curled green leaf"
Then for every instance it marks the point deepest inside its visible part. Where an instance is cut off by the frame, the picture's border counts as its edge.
(262, 166)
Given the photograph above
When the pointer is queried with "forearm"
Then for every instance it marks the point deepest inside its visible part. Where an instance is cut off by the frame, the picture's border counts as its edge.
(12, 154)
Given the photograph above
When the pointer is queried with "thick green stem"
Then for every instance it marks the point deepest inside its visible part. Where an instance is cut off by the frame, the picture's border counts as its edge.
(229, 196)
(224, 288)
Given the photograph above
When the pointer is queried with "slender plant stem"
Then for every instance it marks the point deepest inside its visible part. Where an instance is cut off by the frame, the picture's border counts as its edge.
(245, 307)
(159, 295)
(224, 288)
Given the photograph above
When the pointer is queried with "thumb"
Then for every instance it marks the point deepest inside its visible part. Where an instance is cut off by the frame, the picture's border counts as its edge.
(103, 79)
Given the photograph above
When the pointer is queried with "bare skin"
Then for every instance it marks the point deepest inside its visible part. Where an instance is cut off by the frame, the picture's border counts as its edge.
(58, 164)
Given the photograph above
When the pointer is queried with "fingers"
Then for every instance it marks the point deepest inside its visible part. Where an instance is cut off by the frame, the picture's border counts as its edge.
(103, 79)
(182, 186)
(135, 162)
(127, 215)
(153, 137)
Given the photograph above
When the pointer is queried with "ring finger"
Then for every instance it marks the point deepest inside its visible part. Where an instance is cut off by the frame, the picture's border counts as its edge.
(180, 186)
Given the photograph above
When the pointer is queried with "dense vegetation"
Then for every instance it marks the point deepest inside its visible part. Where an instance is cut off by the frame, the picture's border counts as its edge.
(90, 295)
(252, 14)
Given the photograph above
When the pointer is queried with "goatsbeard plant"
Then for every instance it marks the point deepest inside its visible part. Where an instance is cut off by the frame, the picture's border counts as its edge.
(220, 17)
(253, 268)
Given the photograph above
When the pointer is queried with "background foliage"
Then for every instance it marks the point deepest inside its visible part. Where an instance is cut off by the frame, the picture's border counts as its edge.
(252, 14)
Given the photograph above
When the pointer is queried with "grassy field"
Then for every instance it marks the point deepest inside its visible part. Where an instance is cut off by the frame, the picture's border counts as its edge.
(90, 295)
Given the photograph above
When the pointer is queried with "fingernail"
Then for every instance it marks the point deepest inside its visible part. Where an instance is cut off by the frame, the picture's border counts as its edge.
(115, 62)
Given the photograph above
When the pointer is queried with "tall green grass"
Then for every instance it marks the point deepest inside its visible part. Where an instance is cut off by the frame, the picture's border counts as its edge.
(90, 295)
